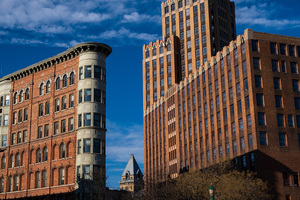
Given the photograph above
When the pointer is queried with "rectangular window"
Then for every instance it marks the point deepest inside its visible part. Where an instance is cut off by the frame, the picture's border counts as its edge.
(297, 102)
(282, 139)
(263, 137)
(56, 127)
(283, 66)
(261, 118)
(57, 105)
(44, 182)
(86, 172)
(78, 146)
(286, 179)
(256, 63)
(25, 136)
(4, 140)
(87, 146)
(88, 72)
(97, 119)
(296, 179)
(275, 67)
(40, 132)
(278, 101)
(87, 95)
(87, 119)
(254, 45)
(97, 146)
(63, 126)
(97, 72)
(273, 47)
(280, 120)
(80, 96)
(277, 84)
(282, 49)
(79, 120)
(250, 139)
(258, 82)
(5, 122)
(290, 121)
(295, 85)
(46, 130)
(294, 68)
(80, 73)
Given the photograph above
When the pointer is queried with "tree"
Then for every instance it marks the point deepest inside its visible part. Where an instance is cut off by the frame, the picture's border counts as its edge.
(229, 184)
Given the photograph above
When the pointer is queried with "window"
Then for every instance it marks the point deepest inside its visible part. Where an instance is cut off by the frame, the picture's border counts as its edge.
(241, 124)
(88, 72)
(7, 98)
(263, 137)
(56, 127)
(283, 66)
(248, 121)
(46, 130)
(297, 103)
(40, 132)
(5, 123)
(86, 172)
(3, 162)
(24, 136)
(38, 156)
(87, 119)
(277, 84)
(47, 109)
(278, 100)
(63, 126)
(45, 155)
(72, 78)
(295, 85)
(97, 146)
(15, 98)
(275, 67)
(4, 140)
(254, 45)
(64, 103)
(282, 139)
(87, 146)
(2, 185)
(65, 81)
(21, 96)
(97, 119)
(57, 84)
(18, 161)
(44, 181)
(14, 117)
(256, 63)
(62, 151)
(280, 120)
(56, 105)
(80, 96)
(273, 47)
(78, 146)
(79, 120)
(41, 109)
(261, 119)
(294, 69)
(71, 124)
(87, 95)
(42, 89)
(282, 49)
(258, 81)
(20, 116)
(61, 176)
(71, 101)
(80, 73)
(296, 180)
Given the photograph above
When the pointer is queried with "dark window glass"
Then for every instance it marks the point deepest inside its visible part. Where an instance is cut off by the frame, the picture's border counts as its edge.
(295, 85)
(263, 137)
(278, 101)
(273, 47)
(256, 63)
(294, 69)
(261, 118)
(88, 72)
(275, 66)
(291, 50)
(297, 102)
(280, 120)
(254, 45)
(277, 85)
(259, 99)
(282, 49)
(282, 139)
(258, 82)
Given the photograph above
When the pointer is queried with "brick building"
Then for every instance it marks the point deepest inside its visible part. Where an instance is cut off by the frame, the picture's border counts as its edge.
(56, 126)
(242, 104)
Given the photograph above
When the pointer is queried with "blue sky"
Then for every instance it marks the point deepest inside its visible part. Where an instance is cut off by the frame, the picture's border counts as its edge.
(33, 30)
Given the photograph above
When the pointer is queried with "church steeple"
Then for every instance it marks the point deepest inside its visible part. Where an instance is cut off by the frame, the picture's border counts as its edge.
(132, 176)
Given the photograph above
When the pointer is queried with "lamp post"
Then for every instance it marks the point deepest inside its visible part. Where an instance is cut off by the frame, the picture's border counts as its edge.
(211, 192)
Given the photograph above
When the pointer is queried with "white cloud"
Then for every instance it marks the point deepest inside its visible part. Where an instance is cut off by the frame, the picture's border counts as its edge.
(123, 140)
(263, 15)
(135, 17)
(126, 33)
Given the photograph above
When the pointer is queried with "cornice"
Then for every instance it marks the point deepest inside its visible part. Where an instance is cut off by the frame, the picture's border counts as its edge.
(62, 57)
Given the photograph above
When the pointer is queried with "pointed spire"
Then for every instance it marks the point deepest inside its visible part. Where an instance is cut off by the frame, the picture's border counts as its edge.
(132, 167)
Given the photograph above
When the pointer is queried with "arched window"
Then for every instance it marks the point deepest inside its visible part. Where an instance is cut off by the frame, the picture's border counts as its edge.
(154, 51)
(15, 98)
(12, 161)
(57, 84)
(3, 162)
(161, 48)
(27, 94)
(62, 151)
(38, 156)
(65, 81)
(18, 160)
(21, 96)
(45, 156)
(147, 53)
(72, 78)
(42, 89)
(48, 87)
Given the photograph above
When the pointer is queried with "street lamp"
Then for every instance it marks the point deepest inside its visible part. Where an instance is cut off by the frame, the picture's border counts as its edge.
(211, 192)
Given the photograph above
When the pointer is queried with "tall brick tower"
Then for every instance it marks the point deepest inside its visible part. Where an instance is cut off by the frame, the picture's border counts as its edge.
(242, 104)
